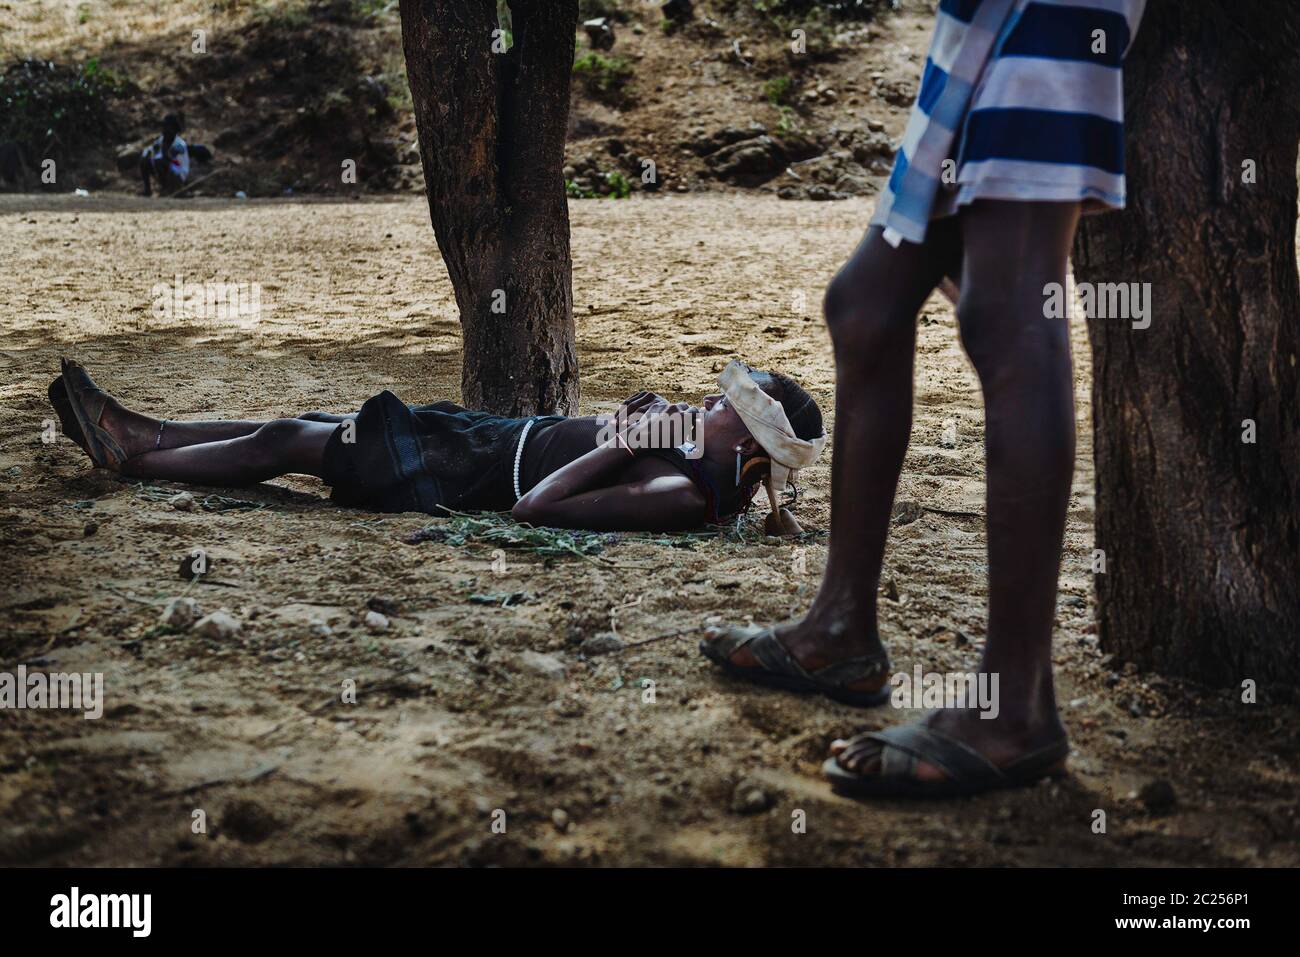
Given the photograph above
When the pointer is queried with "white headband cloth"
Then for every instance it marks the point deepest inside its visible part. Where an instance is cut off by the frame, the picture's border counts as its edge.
(766, 420)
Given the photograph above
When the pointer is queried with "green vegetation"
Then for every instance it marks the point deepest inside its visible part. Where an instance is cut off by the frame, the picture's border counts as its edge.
(604, 77)
(789, 123)
(500, 531)
(394, 79)
(574, 191)
(617, 186)
(505, 23)
(44, 104)
(778, 90)
(815, 17)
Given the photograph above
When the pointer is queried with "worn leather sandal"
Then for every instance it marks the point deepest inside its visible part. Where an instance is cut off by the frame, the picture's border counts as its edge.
(87, 401)
(58, 395)
(968, 771)
(777, 668)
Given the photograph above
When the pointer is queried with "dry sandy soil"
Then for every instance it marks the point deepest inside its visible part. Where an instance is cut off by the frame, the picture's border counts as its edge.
(457, 716)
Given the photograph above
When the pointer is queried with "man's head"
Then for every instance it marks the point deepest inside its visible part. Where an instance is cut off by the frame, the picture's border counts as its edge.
(171, 127)
(725, 433)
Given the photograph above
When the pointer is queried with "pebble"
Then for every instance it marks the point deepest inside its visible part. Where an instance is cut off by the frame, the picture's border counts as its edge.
(385, 606)
(219, 624)
(182, 501)
(602, 644)
(1158, 795)
(248, 822)
(560, 818)
(569, 707)
(319, 629)
(750, 798)
(546, 665)
(374, 621)
(179, 613)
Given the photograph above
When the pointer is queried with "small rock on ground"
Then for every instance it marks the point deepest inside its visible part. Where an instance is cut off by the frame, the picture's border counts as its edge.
(179, 613)
(219, 624)
(602, 644)
(750, 798)
(546, 665)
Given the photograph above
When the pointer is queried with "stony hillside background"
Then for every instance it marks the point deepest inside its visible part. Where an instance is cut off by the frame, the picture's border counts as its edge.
(804, 98)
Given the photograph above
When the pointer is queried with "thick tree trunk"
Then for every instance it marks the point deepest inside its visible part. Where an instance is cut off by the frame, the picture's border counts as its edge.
(491, 127)
(1200, 528)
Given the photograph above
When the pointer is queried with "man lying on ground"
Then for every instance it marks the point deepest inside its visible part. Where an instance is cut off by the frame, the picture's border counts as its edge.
(615, 473)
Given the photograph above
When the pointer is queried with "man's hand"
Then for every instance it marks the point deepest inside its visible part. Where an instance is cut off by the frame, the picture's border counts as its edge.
(637, 404)
(647, 430)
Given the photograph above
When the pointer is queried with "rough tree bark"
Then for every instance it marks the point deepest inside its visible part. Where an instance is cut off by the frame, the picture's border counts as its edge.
(1200, 529)
(492, 128)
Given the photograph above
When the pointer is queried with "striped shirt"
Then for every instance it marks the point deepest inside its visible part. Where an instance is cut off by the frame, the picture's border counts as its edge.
(1019, 100)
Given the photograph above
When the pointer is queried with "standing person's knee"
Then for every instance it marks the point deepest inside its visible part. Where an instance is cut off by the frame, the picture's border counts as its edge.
(984, 329)
(1003, 331)
(863, 322)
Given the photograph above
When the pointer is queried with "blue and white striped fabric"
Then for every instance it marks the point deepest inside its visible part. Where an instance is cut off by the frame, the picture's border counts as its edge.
(1026, 98)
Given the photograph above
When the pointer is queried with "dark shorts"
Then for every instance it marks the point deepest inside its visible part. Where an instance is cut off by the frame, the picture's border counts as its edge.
(422, 458)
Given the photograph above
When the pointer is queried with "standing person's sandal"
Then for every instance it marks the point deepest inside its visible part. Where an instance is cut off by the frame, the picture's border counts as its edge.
(777, 668)
(968, 771)
(87, 401)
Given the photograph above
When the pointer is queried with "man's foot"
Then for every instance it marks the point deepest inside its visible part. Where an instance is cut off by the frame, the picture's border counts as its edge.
(130, 432)
(952, 751)
(805, 656)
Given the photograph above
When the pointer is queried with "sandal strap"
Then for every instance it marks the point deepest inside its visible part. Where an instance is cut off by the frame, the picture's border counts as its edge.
(91, 401)
(846, 672)
(774, 657)
(919, 742)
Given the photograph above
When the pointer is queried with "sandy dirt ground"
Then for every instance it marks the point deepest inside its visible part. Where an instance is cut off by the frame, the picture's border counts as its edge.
(465, 709)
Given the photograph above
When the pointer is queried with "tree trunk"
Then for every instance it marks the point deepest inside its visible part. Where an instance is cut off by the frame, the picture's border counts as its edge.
(492, 127)
(1200, 528)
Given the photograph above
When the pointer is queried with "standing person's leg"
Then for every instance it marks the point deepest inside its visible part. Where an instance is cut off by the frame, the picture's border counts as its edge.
(146, 168)
(1011, 251)
(871, 306)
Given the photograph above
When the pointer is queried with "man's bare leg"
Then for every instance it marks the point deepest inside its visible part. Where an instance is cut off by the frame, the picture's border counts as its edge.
(217, 452)
(275, 448)
(1011, 251)
(871, 308)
